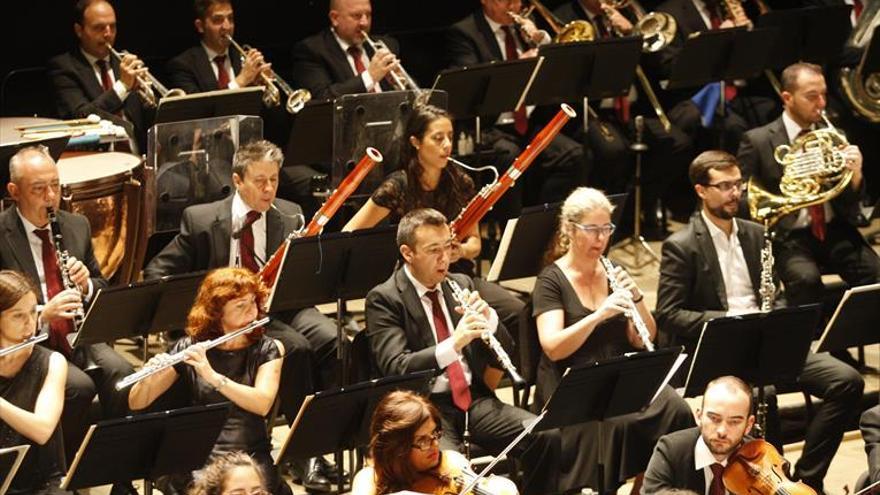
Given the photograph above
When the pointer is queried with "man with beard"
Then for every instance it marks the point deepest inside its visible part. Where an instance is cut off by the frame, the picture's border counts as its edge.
(694, 459)
(712, 268)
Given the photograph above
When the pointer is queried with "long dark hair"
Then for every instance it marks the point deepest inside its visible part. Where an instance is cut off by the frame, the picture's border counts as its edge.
(454, 186)
(395, 422)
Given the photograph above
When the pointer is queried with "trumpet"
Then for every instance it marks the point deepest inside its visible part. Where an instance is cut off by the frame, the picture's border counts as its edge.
(632, 314)
(148, 85)
(178, 357)
(488, 337)
(33, 340)
(579, 30)
(399, 77)
(657, 29)
(274, 85)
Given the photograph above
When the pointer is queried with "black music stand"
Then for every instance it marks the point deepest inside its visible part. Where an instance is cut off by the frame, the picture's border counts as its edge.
(146, 446)
(339, 419)
(10, 460)
(220, 103)
(531, 233)
(812, 34)
(311, 135)
(854, 322)
(607, 389)
(334, 267)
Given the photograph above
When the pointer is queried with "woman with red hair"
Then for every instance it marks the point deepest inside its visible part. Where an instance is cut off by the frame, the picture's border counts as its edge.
(244, 371)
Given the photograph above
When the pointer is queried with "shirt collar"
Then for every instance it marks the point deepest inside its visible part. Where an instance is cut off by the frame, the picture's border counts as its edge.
(494, 26)
(715, 231)
(703, 457)
(212, 54)
(342, 43)
(28, 226)
(421, 290)
(792, 128)
(91, 59)
(240, 209)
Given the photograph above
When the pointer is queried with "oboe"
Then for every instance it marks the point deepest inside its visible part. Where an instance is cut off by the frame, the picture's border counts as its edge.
(36, 339)
(180, 356)
(633, 314)
(62, 256)
(488, 337)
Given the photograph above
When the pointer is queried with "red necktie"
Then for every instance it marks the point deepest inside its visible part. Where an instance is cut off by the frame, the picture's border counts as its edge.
(58, 329)
(857, 8)
(520, 121)
(106, 80)
(461, 393)
(355, 53)
(246, 242)
(717, 486)
(222, 74)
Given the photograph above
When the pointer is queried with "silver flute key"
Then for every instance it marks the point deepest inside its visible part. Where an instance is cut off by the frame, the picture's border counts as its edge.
(633, 314)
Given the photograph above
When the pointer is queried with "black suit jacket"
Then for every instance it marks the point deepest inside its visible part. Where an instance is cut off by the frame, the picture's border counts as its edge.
(78, 93)
(691, 288)
(870, 426)
(672, 464)
(205, 232)
(193, 72)
(320, 65)
(755, 156)
(16, 252)
(400, 336)
(470, 41)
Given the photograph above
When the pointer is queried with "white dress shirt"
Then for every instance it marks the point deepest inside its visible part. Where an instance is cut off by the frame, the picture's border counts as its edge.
(233, 84)
(792, 129)
(366, 78)
(734, 270)
(499, 32)
(239, 214)
(703, 459)
(119, 88)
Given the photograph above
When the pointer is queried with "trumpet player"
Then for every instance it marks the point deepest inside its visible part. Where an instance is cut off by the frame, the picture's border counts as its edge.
(820, 237)
(88, 80)
(712, 268)
(211, 66)
(27, 247)
(338, 61)
(413, 324)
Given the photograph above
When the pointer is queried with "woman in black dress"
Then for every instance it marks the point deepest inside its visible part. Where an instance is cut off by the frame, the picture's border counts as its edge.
(31, 391)
(580, 320)
(244, 371)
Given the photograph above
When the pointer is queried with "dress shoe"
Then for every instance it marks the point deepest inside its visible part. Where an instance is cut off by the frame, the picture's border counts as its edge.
(328, 469)
(308, 474)
(123, 489)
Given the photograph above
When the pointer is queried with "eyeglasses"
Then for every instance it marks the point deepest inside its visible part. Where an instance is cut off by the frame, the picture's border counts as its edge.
(426, 442)
(728, 185)
(595, 230)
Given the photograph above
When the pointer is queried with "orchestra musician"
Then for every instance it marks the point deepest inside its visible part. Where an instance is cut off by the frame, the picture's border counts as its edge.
(869, 424)
(712, 268)
(489, 34)
(694, 458)
(414, 324)
(28, 248)
(405, 449)
(579, 320)
(428, 180)
(244, 230)
(821, 237)
(244, 371)
(234, 473)
(88, 80)
(31, 391)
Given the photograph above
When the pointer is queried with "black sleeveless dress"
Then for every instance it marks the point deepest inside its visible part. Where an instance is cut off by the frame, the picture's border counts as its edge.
(43, 466)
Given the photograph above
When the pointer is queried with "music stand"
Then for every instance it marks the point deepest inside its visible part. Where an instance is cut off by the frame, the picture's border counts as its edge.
(146, 446)
(811, 34)
(220, 103)
(339, 419)
(851, 324)
(10, 460)
(334, 267)
(607, 389)
(311, 135)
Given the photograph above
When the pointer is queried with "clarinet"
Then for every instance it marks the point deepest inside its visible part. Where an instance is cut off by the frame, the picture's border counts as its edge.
(632, 314)
(62, 256)
(488, 337)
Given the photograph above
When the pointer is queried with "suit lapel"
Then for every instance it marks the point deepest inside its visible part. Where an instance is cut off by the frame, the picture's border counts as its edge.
(87, 73)
(415, 309)
(205, 69)
(337, 57)
(704, 238)
(488, 36)
(274, 231)
(16, 238)
(221, 233)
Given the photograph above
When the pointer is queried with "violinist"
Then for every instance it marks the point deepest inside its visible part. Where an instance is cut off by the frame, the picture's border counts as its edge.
(695, 458)
(405, 452)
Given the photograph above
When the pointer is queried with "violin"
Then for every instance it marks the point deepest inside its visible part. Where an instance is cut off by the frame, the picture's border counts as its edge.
(756, 468)
(453, 474)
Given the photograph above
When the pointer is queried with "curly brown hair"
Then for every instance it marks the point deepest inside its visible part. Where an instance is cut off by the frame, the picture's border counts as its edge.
(218, 288)
(211, 480)
(397, 418)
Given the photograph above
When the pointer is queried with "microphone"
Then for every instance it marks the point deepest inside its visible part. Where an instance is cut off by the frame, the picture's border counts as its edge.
(298, 216)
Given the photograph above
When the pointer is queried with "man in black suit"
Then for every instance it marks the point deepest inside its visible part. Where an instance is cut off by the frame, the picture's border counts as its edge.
(822, 236)
(870, 426)
(245, 230)
(712, 268)
(28, 248)
(694, 459)
(210, 66)
(87, 80)
(489, 34)
(415, 324)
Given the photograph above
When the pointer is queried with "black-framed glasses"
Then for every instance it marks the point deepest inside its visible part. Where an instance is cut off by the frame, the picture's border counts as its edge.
(426, 442)
(728, 185)
(595, 230)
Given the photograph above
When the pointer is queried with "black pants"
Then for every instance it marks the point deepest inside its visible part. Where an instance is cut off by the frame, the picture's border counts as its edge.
(840, 388)
(80, 390)
(492, 425)
(800, 257)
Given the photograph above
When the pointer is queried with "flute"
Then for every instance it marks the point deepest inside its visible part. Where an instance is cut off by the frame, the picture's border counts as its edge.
(33, 340)
(632, 314)
(178, 357)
